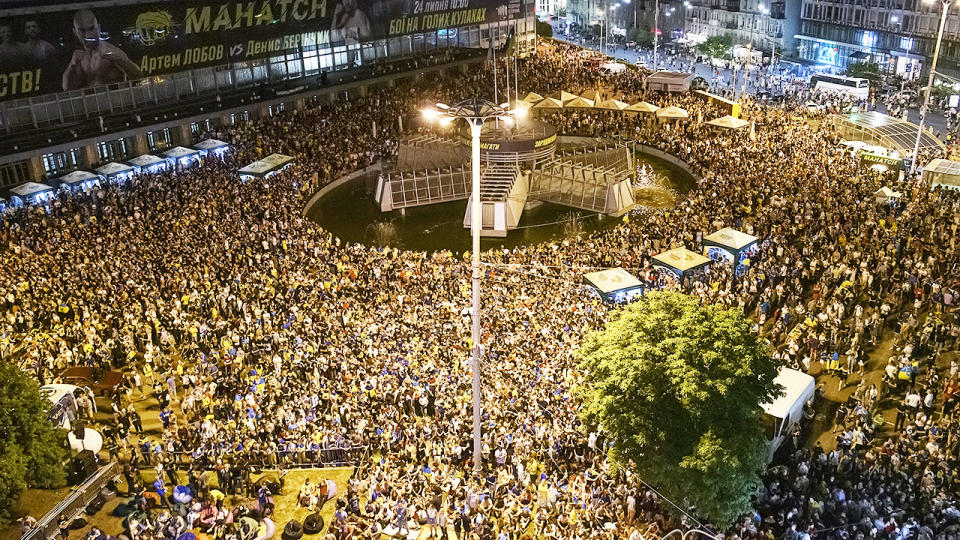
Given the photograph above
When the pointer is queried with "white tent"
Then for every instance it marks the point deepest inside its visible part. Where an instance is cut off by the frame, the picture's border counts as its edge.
(114, 169)
(578, 103)
(182, 155)
(77, 177)
(32, 191)
(563, 96)
(266, 166)
(211, 145)
(614, 284)
(532, 98)
(672, 113)
(729, 122)
(612, 105)
(681, 260)
(549, 103)
(149, 162)
(885, 194)
(643, 107)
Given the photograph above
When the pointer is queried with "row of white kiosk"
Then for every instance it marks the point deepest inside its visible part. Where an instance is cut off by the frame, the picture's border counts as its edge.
(36, 192)
(727, 246)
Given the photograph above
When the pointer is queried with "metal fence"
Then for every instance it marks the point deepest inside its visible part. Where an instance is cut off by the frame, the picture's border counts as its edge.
(48, 526)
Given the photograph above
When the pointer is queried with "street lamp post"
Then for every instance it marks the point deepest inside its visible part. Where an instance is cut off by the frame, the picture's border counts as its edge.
(475, 111)
(656, 31)
(686, 8)
(945, 6)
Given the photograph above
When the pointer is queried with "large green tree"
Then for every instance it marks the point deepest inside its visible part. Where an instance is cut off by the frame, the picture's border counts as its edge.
(678, 387)
(32, 450)
(717, 47)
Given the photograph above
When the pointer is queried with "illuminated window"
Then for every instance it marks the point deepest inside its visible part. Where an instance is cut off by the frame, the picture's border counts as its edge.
(868, 39)
(906, 43)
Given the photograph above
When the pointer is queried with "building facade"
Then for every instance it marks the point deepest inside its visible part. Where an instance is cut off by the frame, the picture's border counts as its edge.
(898, 35)
(768, 26)
(198, 58)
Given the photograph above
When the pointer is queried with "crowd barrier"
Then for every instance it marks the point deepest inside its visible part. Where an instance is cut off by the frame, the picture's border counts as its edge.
(295, 459)
(48, 526)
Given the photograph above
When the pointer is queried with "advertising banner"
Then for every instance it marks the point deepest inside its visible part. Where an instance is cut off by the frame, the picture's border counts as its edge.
(75, 49)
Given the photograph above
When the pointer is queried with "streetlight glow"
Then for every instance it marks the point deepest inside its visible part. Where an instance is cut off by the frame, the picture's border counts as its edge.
(430, 114)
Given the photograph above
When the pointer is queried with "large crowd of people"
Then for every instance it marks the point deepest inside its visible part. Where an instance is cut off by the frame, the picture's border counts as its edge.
(267, 342)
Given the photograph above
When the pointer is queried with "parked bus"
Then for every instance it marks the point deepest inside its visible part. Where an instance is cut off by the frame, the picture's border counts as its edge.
(853, 86)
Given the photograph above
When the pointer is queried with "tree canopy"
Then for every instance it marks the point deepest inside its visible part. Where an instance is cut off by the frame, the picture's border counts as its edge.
(717, 47)
(32, 450)
(865, 70)
(679, 387)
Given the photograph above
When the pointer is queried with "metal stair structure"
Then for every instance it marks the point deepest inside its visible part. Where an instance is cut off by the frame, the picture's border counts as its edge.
(595, 179)
(431, 170)
(503, 194)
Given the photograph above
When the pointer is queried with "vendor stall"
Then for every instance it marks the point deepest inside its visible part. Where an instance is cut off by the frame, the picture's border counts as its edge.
(266, 167)
(183, 156)
(78, 180)
(212, 147)
(149, 163)
(887, 195)
(118, 172)
(614, 284)
(681, 261)
(729, 122)
(670, 81)
(672, 113)
(730, 245)
(942, 172)
(31, 193)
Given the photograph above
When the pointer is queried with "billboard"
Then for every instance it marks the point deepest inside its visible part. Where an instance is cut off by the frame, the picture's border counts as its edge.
(83, 48)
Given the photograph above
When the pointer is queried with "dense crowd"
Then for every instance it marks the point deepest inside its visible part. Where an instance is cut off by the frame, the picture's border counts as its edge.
(267, 342)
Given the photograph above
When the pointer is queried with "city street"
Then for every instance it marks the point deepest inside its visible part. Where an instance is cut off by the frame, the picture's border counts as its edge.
(719, 78)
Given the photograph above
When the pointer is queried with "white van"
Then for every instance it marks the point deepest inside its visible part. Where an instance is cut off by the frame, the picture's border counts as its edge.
(63, 404)
(783, 413)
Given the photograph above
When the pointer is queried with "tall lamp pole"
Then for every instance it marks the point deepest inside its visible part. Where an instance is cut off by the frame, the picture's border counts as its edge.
(945, 6)
(656, 31)
(475, 111)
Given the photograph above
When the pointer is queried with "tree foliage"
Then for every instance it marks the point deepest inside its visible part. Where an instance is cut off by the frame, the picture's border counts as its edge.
(32, 450)
(544, 29)
(717, 47)
(678, 387)
(865, 70)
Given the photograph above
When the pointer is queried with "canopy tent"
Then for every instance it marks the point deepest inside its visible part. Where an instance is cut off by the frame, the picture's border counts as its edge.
(886, 194)
(643, 107)
(78, 179)
(532, 98)
(149, 163)
(31, 192)
(578, 103)
(681, 261)
(672, 113)
(614, 284)
(115, 170)
(942, 172)
(612, 105)
(729, 122)
(729, 245)
(548, 103)
(266, 166)
(182, 156)
(590, 94)
(211, 146)
(563, 96)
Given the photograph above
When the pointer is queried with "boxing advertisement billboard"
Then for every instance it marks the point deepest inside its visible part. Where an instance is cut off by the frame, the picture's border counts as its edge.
(76, 49)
